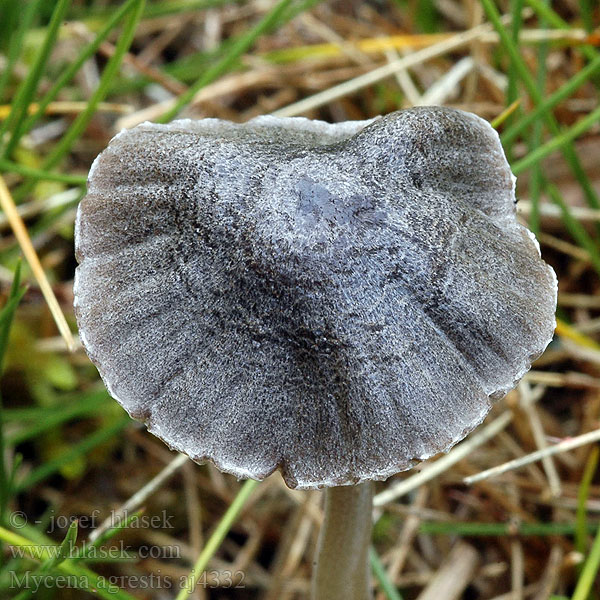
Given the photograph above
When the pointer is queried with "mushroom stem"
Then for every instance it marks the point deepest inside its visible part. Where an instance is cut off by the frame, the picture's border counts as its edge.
(342, 569)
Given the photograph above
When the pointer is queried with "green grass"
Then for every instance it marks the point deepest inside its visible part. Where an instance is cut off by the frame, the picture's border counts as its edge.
(589, 573)
(225, 64)
(13, 124)
(216, 539)
(527, 79)
(53, 565)
(134, 13)
(7, 314)
(474, 529)
(575, 228)
(28, 37)
(581, 531)
(380, 574)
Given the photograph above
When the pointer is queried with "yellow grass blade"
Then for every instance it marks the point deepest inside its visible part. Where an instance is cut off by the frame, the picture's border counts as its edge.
(20, 231)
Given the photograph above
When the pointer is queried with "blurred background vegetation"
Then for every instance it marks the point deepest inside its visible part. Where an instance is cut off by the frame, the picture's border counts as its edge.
(72, 74)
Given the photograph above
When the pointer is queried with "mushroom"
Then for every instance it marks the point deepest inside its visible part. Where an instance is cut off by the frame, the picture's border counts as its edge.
(336, 302)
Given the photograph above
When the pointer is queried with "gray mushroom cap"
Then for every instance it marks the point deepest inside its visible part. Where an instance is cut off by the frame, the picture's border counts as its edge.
(334, 301)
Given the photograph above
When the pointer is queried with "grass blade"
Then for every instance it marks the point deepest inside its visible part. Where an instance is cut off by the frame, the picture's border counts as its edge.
(20, 231)
(560, 142)
(6, 166)
(83, 447)
(512, 90)
(235, 51)
(68, 402)
(581, 543)
(551, 101)
(154, 10)
(546, 12)
(85, 407)
(73, 67)
(16, 39)
(536, 181)
(60, 554)
(108, 75)
(505, 114)
(589, 572)
(84, 578)
(64, 550)
(217, 538)
(27, 90)
(535, 94)
(110, 533)
(474, 529)
(6, 317)
(8, 311)
(387, 587)
(82, 120)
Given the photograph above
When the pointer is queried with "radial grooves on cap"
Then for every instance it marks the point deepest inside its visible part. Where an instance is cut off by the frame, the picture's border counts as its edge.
(333, 301)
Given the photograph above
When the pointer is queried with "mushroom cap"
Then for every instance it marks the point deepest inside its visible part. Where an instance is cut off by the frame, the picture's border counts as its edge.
(334, 301)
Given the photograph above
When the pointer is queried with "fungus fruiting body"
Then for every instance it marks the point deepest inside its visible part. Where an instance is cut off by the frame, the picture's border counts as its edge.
(334, 301)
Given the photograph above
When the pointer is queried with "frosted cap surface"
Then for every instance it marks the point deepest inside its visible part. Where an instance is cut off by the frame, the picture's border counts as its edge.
(334, 301)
